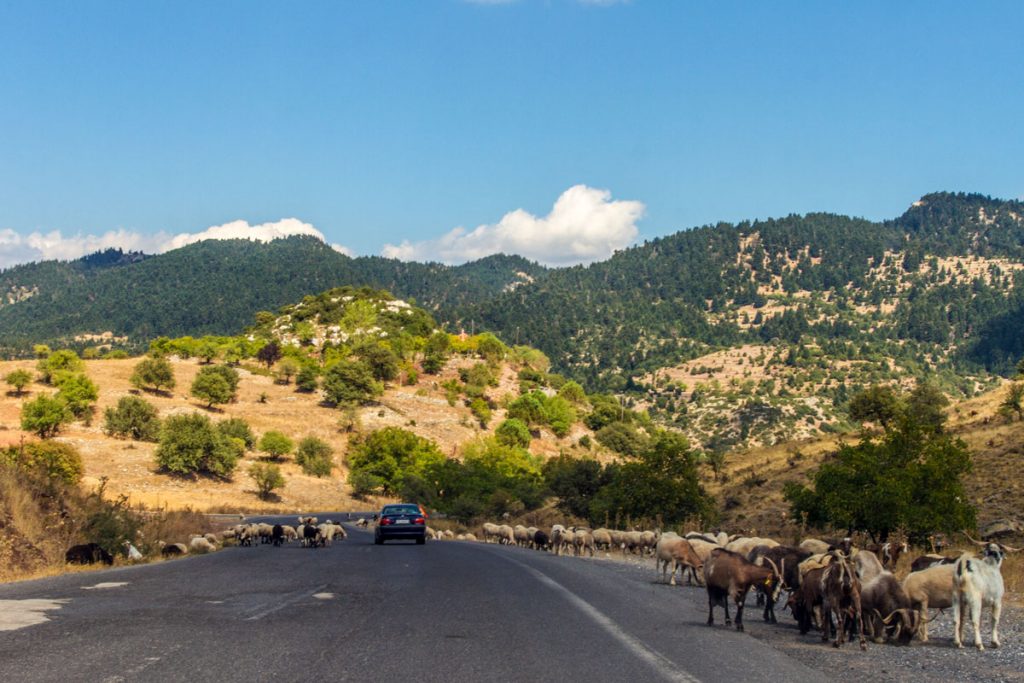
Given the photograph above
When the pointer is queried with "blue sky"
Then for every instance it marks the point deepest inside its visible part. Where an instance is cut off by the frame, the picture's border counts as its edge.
(395, 123)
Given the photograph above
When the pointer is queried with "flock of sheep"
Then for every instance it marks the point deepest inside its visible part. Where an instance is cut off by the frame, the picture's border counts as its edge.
(833, 586)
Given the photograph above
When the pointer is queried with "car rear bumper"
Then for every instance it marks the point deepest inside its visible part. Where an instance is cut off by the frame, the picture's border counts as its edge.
(396, 531)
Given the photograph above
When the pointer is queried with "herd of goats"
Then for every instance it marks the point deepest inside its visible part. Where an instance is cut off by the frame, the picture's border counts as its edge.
(832, 586)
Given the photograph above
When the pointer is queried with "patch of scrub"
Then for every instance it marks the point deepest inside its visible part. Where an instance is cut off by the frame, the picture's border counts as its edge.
(15, 614)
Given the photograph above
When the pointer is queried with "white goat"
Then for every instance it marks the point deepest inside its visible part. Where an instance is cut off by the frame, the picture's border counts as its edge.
(978, 582)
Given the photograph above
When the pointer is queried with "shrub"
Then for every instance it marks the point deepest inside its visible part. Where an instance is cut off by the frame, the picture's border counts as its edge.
(391, 454)
(364, 483)
(350, 382)
(432, 364)
(78, 392)
(481, 411)
(133, 418)
(191, 444)
(314, 456)
(55, 460)
(267, 477)
(19, 379)
(286, 369)
(64, 360)
(237, 428)
(381, 360)
(216, 384)
(153, 373)
(307, 380)
(44, 416)
(513, 432)
(276, 445)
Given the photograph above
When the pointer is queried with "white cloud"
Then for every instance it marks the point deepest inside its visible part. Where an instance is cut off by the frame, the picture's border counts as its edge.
(37, 246)
(584, 225)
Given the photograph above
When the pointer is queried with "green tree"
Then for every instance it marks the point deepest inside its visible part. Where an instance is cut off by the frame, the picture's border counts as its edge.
(44, 416)
(513, 432)
(19, 379)
(662, 481)
(207, 350)
(350, 382)
(389, 455)
(1014, 401)
(267, 477)
(214, 385)
(237, 428)
(153, 374)
(62, 361)
(78, 392)
(573, 392)
(133, 418)
(286, 369)
(315, 456)
(307, 379)
(879, 404)
(381, 360)
(911, 478)
(191, 444)
(575, 481)
(481, 411)
(491, 348)
(276, 445)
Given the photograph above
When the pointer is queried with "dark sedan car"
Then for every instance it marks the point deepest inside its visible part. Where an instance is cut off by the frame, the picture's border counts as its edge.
(401, 521)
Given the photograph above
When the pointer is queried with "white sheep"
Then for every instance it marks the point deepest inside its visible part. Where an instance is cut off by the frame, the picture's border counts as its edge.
(199, 544)
(133, 553)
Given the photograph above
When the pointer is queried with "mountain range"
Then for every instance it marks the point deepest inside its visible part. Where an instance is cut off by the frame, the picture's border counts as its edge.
(937, 288)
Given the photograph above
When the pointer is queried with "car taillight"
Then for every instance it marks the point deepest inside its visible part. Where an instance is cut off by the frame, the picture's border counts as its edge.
(384, 521)
(418, 520)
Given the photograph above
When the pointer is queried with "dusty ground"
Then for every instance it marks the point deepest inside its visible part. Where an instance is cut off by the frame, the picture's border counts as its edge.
(129, 466)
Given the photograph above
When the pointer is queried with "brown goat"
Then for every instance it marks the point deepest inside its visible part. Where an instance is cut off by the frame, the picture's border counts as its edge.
(730, 575)
(841, 598)
(885, 595)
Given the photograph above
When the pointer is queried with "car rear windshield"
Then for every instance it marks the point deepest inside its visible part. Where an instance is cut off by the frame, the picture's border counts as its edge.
(400, 510)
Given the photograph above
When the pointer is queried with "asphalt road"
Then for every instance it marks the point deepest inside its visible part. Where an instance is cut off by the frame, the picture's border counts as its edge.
(446, 611)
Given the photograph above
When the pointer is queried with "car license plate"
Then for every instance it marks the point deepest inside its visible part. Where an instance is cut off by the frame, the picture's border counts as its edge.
(401, 521)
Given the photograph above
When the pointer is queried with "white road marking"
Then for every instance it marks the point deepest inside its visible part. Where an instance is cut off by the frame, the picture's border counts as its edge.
(284, 603)
(106, 584)
(659, 662)
(15, 614)
(323, 596)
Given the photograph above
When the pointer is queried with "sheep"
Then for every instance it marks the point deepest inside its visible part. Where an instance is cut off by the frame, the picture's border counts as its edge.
(506, 535)
(702, 547)
(632, 542)
(199, 544)
(932, 587)
(678, 551)
(362, 523)
(87, 553)
(277, 535)
(448, 534)
(212, 538)
(867, 565)
(521, 535)
(541, 541)
(557, 538)
(492, 532)
(228, 534)
(289, 532)
(131, 551)
(618, 537)
(648, 541)
(602, 539)
(815, 546)
(311, 537)
(978, 582)
(743, 546)
(583, 541)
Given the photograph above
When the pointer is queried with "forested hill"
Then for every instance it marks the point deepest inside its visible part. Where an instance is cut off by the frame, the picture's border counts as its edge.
(930, 284)
(215, 287)
(936, 287)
